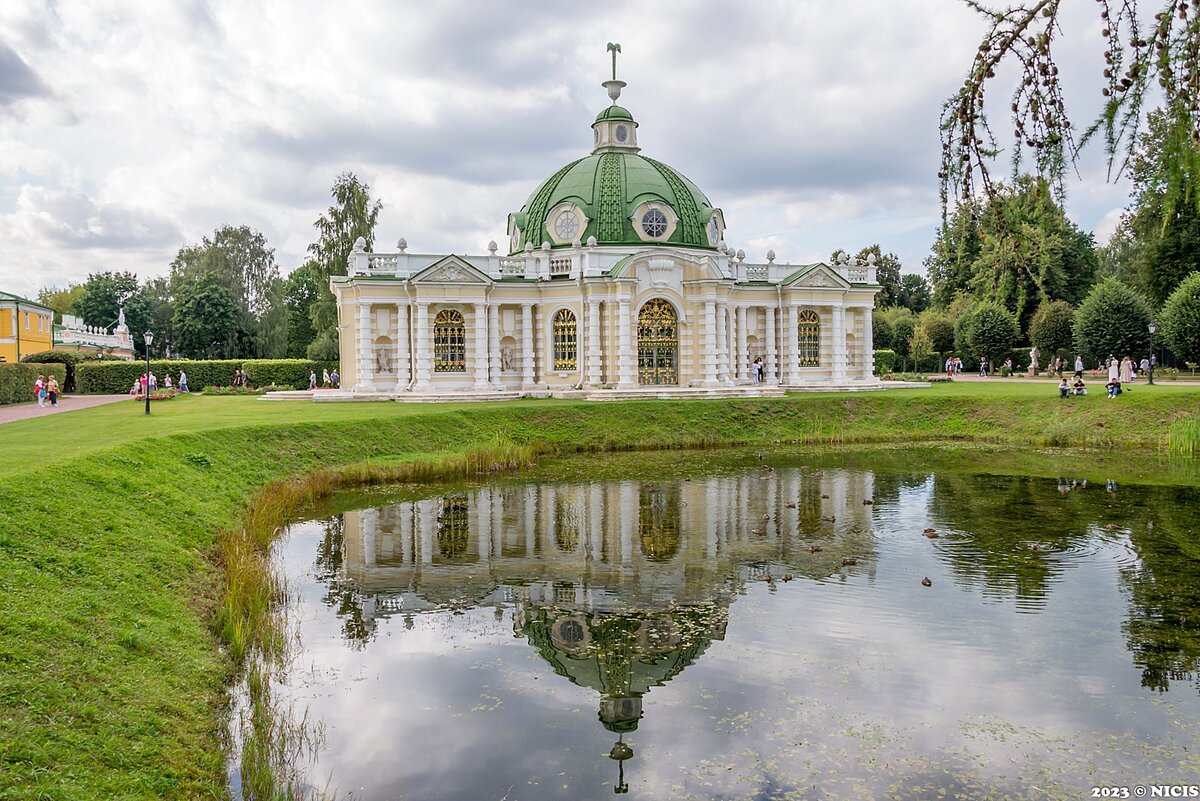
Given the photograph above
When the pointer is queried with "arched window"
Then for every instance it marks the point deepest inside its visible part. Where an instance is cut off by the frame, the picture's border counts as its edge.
(808, 338)
(449, 342)
(566, 342)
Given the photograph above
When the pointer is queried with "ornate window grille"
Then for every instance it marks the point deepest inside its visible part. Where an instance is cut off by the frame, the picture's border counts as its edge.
(566, 341)
(808, 338)
(449, 342)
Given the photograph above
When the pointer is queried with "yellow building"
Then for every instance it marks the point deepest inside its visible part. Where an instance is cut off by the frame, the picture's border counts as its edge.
(25, 327)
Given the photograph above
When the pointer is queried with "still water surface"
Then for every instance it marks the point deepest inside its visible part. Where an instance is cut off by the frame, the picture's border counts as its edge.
(750, 632)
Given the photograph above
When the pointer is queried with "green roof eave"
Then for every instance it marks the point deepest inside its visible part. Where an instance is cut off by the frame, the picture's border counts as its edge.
(24, 301)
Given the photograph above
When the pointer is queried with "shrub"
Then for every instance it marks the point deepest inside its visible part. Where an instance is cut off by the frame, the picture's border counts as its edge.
(117, 377)
(938, 329)
(1052, 328)
(885, 360)
(1112, 321)
(1181, 319)
(986, 329)
(16, 380)
(248, 390)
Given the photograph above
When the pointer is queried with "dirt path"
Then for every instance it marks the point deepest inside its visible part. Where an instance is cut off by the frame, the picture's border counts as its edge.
(67, 403)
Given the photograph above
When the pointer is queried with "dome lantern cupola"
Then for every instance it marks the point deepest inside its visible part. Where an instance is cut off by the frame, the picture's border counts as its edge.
(615, 130)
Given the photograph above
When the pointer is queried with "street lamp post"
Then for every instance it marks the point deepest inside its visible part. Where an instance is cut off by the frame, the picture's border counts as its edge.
(148, 338)
(1153, 330)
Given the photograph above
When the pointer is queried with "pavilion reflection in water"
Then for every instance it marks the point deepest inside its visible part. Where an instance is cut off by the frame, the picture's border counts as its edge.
(619, 586)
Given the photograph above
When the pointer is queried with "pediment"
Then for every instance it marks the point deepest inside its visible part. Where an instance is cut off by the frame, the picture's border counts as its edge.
(451, 270)
(816, 276)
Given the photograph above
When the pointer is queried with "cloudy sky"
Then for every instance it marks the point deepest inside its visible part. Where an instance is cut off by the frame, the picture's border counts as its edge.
(128, 129)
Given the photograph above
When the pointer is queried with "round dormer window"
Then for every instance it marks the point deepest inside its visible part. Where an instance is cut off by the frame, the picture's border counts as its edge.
(655, 223)
(621, 133)
(566, 226)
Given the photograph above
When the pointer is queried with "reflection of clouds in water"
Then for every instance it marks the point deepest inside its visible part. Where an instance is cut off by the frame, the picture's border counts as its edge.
(818, 682)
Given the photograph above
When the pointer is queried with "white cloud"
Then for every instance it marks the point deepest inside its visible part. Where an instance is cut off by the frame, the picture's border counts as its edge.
(813, 124)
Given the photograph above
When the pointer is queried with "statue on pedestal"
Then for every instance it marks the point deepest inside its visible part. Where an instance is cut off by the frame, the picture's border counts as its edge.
(1034, 355)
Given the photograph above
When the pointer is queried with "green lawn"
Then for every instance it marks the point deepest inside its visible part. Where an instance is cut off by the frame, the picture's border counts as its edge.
(112, 678)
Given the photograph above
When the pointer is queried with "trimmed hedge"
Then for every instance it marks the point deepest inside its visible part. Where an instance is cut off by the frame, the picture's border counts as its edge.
(68, 357)
(108, 378)
(16, 380)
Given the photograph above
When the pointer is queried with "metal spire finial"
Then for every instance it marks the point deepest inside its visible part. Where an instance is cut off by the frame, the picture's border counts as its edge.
(614, 48)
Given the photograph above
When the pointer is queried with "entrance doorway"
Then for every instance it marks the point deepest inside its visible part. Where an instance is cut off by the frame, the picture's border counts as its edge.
(658, 343)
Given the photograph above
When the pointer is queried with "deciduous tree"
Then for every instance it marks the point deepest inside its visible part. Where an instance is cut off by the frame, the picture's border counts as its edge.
(1181, 319)
(1112, 321)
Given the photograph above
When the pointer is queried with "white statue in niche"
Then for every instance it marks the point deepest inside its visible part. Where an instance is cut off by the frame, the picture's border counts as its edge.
(383, 362)
(506, 358)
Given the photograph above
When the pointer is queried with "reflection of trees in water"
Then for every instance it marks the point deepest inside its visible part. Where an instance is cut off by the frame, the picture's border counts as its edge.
(658, 521)
(1163, 628)
(340, 593)
(1002, 519)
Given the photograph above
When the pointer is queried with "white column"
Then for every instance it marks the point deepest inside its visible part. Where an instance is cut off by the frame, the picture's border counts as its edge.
(722, 343)
(770, 358)
(593, 345)
(868, 345)
(421, 353)
(839, 343)
(479, 326)
(426, 520)
(709, 353)
(403, 356)
(526, 346)
(366, 349)
(627, 377)
(791, 348)
(741, 358)
(494, 344)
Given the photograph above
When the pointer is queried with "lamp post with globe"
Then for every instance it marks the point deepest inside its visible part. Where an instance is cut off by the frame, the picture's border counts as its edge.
(148, 338)
(1153, 330)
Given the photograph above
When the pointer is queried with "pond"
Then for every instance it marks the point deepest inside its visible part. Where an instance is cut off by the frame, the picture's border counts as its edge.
(749, 626)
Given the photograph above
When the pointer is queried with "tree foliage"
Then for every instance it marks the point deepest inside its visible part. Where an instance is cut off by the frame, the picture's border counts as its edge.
(300, 292)
(59, 299)
(1166, 230)
(1018, 248)
(1181, 319)
(938, 329)
(986, 329)
(103, 296)
(1163, 57)
(206, 320)
(1112, 321)
(352, 215)
(881, 332)
(914, 293)
(1053, 327)
(244, 263)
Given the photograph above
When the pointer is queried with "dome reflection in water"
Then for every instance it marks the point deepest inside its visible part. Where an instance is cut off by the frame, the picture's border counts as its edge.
(702, 637)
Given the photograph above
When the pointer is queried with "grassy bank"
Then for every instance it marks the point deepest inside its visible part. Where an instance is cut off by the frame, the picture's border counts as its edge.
(114, 593)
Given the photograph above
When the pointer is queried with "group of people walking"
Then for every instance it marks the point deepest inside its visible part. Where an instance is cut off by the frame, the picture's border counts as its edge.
(148, 382)
(328, 380)
(46, 391)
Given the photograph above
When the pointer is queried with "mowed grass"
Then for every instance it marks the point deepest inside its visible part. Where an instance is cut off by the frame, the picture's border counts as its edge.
(112, 666)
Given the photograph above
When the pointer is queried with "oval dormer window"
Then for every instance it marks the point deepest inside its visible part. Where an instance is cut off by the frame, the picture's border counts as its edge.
(621, 133)
(654, 223)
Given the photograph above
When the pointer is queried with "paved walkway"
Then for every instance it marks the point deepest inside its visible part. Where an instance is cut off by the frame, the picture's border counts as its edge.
(67, 403)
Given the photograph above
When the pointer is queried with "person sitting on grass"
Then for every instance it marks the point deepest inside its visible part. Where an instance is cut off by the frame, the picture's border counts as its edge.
(1079, 387)
(1064, 389)
(1114, 388)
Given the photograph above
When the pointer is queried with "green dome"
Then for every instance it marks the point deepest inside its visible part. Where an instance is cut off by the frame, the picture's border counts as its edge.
(608, 187)
(614, 113)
